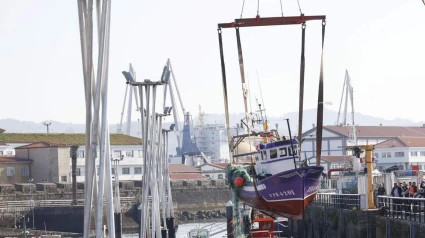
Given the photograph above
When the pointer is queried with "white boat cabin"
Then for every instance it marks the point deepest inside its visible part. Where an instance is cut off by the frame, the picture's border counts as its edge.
(276, 157)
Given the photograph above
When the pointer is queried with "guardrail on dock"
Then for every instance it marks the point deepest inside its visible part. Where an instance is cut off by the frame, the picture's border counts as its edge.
(411, 209)
(26, 205)
(338, 201)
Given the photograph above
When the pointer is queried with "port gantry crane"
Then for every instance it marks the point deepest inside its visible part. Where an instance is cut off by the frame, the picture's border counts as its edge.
(130, 102)
(169, 78)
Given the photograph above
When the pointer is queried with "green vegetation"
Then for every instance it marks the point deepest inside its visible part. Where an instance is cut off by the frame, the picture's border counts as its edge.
(64, 138)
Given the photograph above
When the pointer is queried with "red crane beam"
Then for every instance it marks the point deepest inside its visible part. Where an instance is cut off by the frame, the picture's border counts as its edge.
(271, 21)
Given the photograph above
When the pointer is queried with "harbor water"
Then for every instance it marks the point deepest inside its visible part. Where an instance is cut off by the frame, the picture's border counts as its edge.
(217, 230)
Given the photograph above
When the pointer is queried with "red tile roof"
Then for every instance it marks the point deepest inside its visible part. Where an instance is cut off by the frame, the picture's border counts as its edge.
(40, 145)
(380, 131)
(187, 176)
(402, 142)
(181, 168)
(64, 138)
(13, 159)
(336, 158)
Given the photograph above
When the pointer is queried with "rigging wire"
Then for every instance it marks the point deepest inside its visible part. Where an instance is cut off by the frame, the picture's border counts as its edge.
(258, 7)
(299, 7)
(243, 5)
(281, 8)
(261, 94)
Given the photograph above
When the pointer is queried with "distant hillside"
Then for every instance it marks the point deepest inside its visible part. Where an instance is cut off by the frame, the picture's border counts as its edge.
(330, 117)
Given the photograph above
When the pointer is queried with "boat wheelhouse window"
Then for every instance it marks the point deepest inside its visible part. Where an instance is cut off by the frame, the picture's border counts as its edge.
(263, 155)
(290, 150)
(283, 152)
(256, 158)
(273, 154)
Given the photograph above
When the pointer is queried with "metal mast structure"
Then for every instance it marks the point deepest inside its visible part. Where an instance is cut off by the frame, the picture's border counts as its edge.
(347, 94)
(97, 129)
(169, 78)
(130, 103)
(156, 191)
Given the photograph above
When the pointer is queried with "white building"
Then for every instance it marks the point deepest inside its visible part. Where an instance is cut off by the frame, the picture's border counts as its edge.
(214, 170)
(401, 151)
(127, 147)
(337, 138)
(212, 140)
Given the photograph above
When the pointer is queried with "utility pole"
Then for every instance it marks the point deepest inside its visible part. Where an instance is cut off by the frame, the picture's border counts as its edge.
(47, 124)
(74, 149)
(30, 180)
(117, 212)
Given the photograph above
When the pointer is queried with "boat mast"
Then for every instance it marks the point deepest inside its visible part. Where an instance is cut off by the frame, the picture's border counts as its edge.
(244, 87)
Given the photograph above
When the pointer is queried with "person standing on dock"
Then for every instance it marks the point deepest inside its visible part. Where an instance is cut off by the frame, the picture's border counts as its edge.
(413, 189)
(381, 192)
(396, 192)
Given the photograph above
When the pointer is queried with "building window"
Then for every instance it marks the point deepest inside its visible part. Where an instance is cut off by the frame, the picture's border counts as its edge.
(113, 171)
(125, 170)
(80, 154)
(1, 152)
(25, 171)
(9, 153)
(117, 154)
(63, 178)
(386, 155)
(399, 154)
(78, 171)
(220, 176)
(129, 154)
(422, 153)
(137, 170)
(10, 171)
(413, 153)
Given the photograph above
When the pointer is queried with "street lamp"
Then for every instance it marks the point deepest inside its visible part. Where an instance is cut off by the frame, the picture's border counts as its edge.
(30, 180)
(117, 208)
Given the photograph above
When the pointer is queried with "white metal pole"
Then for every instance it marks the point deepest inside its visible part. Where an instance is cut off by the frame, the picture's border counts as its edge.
(86, 24)
(123, 109)
(130, 107)
(99, 87)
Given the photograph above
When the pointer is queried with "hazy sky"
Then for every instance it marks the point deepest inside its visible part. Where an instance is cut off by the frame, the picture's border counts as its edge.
(380, 42)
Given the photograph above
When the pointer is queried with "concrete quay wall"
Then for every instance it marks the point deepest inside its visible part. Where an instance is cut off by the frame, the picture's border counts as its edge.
(193, 200)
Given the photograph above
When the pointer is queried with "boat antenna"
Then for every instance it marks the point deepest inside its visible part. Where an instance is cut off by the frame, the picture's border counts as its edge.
(261, 94)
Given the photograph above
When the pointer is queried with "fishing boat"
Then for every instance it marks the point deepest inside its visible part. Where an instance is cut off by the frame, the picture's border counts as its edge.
(276, 181)
(274, 178)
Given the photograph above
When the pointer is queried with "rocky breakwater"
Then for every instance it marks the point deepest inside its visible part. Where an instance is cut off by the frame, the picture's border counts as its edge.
(200, 199)
(200, 215)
